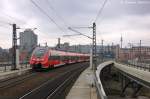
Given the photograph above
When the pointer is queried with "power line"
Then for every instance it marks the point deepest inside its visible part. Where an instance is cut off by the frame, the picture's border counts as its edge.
(13, 18)
(100, 10)
(51, 20)
(58, 15)
(80, 33)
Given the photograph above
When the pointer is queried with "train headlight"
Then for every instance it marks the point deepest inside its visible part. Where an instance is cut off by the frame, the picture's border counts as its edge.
(33, 59)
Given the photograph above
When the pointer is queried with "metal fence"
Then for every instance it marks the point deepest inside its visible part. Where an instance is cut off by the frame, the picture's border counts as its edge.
(136, 56)
(7, 66)
(138, 65)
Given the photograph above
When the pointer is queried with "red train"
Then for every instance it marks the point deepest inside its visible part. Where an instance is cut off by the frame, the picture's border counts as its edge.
(44, 58)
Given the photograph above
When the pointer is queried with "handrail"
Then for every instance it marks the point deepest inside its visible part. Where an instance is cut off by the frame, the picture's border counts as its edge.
(9, 64)
(98, 83)
(6, 66)
(142, 66)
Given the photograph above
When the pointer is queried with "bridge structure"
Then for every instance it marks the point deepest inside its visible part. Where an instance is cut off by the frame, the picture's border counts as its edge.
(128, 75)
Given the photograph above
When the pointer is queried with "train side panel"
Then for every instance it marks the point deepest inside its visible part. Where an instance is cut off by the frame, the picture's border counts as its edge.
(47, 58)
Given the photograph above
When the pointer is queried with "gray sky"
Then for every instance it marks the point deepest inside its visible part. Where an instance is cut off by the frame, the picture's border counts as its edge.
(129, 18)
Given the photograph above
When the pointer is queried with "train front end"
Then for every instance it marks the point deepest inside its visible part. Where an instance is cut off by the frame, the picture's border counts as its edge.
(39, 58)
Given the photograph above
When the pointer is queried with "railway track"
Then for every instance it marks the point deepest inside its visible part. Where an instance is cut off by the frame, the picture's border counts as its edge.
(15, 80)
(29, 85)
(57, 93)
(55, 88)
(7, 79)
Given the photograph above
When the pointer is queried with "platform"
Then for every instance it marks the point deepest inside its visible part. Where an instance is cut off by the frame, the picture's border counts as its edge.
(82, 89)
(14, 73)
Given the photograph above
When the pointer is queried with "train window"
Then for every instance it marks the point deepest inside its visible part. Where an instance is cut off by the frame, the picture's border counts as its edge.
(54, 58)
(61, 58)
(39, 52)
(73, 57)
(49, 58)
(66, 57)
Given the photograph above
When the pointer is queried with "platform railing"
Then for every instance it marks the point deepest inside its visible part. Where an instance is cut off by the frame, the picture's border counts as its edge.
(138, 65)
(7, 66)
(100, 90)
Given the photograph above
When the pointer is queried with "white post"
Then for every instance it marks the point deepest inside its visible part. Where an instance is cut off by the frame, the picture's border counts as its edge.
(17, 59)
(91, 59)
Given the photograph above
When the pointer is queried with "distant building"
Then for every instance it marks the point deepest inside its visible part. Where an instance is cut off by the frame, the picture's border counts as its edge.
(63, 47)
(135, 53)
(28, 40)
(4, 55)
(105, 51)
(73, 48)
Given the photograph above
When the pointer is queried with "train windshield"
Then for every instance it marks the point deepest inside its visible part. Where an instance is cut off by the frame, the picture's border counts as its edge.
(39, 52)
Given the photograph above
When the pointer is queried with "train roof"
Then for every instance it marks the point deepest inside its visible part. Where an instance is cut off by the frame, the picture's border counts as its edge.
(67, 53)
(62, 53)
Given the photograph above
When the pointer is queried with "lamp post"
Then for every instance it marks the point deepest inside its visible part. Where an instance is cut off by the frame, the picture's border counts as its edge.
(14, 46)
(15, 52)
(130, 45)
(94, 56)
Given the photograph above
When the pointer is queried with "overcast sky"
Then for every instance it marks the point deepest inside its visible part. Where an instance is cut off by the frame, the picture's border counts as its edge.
(129, 18)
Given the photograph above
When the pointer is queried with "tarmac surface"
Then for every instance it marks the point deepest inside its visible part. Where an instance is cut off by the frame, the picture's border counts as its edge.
(82, 89)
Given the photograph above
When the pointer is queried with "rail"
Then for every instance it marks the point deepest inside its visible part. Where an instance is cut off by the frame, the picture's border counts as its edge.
(138, 65)
(10, 82)
(56, 87)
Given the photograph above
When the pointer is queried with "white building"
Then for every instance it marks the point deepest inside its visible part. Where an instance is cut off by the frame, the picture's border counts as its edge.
(28, 40)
